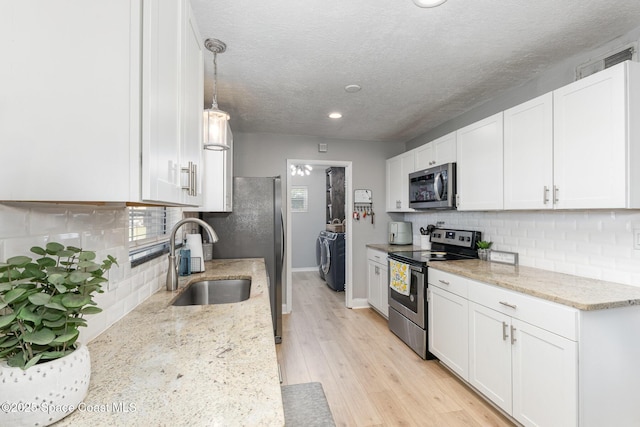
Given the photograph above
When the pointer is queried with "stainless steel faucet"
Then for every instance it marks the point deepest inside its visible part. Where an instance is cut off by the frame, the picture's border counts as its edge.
(172, 272)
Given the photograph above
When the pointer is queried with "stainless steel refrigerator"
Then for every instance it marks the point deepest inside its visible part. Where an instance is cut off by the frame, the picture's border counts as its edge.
(255, 229)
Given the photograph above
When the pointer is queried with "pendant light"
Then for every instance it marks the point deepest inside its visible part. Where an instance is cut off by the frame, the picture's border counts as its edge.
(217, 132)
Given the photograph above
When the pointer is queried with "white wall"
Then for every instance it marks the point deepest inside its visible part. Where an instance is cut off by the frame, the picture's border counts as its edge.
(267, 154)
(305, 226)
(101, 229)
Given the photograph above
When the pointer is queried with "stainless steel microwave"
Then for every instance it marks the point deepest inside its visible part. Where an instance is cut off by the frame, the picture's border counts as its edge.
(433, 188)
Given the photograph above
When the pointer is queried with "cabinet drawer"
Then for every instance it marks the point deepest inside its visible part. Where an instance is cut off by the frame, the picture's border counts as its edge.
(449, 282)
(556, 318)
(377, 256)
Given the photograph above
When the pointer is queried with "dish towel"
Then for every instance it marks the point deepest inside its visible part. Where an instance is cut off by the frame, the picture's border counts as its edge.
(400, 277)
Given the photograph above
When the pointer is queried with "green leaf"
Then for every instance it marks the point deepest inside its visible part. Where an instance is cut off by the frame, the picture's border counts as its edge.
(79, 276)
(28, 315)
(13, 295)
(39, 299)
(19, 261)
(91, 310)
(53, 248)
(4, 287)
(17, 360)
(65, 254)
(46, 262)
(56, 306)
(55, 323)
(75, 300)
(42, 337)
(87, 256)
(7, 319)
(88, 266)
(33, 361)
(10, 342)
(65, 338)
(38, 250)
(57, 279)
(49, 355)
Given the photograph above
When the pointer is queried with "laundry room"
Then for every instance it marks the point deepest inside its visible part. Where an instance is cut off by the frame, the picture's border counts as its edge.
(318, 222)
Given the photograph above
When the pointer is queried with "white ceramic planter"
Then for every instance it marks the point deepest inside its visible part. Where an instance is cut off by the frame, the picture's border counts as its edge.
(44, 393)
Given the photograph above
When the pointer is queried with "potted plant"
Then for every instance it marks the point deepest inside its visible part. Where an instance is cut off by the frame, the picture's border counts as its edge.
(484, 247)
(42, 307)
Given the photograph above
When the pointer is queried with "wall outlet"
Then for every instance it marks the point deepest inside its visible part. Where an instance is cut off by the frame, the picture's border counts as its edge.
(636, 238)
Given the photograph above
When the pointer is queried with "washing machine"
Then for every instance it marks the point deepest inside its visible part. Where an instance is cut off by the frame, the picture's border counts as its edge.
(333, 260)
(320, 253)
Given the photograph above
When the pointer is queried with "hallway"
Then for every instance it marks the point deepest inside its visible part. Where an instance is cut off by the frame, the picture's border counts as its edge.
(370, 377)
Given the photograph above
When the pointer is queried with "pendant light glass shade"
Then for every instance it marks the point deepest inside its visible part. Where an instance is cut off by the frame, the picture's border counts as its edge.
(217, 132)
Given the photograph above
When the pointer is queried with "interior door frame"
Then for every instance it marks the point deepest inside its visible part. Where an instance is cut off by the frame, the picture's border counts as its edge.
(348, 206)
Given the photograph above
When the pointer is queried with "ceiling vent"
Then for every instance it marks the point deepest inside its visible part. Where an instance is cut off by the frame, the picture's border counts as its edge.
(629, 52)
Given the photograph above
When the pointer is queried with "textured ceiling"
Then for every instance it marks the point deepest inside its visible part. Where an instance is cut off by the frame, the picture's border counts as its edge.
(288, 61)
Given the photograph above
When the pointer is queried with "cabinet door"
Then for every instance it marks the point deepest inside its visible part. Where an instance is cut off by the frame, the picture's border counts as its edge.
(545, 377)
(490, 354)
(373, 284)
(480, 177)
(161, 91)
(425, 156)
(192, 102)
(445, 149)
(528, 154)
(383, 277)
(449, 329)
(590, 141)
(398, 170)
(69, 112)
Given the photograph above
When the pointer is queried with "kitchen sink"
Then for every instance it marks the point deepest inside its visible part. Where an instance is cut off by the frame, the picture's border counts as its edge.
(223, 291)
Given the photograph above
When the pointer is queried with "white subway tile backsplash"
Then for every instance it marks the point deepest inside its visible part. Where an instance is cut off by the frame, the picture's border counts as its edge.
(595, 244)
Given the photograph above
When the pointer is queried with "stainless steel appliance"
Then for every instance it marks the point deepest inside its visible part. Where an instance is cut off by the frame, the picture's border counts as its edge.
(254, 229)
(408, 313)
(400, 233)
(433, 188)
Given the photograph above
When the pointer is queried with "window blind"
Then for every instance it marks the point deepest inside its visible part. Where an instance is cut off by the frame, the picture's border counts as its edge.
(149, 230)
(299, 198)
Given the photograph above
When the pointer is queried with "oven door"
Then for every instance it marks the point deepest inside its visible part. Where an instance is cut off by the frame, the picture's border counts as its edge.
(412, 306)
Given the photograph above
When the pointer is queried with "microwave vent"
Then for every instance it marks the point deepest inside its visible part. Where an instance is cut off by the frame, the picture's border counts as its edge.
(627, 53)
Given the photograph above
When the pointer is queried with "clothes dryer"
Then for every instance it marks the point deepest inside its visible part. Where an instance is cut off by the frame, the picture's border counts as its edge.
(333, 256)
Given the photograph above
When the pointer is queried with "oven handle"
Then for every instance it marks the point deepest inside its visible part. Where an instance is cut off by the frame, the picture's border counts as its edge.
(416, 269)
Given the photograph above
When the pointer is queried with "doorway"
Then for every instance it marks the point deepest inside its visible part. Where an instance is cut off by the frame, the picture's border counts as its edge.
(348, 205)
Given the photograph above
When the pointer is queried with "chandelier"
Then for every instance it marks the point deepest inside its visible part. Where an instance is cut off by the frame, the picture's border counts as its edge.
(217, 133)
(301, 170)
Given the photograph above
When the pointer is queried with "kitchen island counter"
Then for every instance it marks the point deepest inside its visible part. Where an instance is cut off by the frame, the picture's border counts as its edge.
(191, 365)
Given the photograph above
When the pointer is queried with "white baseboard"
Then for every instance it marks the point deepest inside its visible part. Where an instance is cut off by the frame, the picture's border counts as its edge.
(300, 269)
(360, 303)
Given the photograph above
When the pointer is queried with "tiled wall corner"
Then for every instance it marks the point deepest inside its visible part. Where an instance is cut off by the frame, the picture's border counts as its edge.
(595, 244)
(102, 229)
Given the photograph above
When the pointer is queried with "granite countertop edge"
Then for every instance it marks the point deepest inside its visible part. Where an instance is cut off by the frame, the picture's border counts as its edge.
(574, 291)
(190, 365)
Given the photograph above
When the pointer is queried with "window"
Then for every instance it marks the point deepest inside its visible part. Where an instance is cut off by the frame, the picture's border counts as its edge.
(299, 198)
(149, 229)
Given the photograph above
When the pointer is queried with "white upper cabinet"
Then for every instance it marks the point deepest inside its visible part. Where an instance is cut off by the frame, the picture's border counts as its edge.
(595, 141)
(528, 154)
(479, 172)
(98, 117)
(436, 152)
(398, 170)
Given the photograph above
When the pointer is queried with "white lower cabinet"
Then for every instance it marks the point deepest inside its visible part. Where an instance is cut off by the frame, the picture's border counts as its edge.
(377, 272)
(448, 321)
(519, 351)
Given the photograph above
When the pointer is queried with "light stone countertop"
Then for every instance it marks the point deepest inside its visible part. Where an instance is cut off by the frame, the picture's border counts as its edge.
(578, 292)
(386, 247)
(211, 365)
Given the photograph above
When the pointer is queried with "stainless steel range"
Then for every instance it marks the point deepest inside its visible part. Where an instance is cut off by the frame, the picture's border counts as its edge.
(408, 283)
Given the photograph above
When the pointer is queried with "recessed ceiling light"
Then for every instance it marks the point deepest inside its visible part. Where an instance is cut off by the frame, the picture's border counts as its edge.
(335, 115)
(352, 88)
(428, 3)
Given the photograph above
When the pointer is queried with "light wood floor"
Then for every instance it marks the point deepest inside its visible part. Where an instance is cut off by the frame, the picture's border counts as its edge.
(370, 377)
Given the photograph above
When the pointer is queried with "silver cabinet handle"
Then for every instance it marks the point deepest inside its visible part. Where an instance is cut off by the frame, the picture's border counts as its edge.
(556, 190)
(545, 195)
(504, 331)
(192, 179)
(513, 335)
(377, 270)
(444, 282)
(508, 305)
